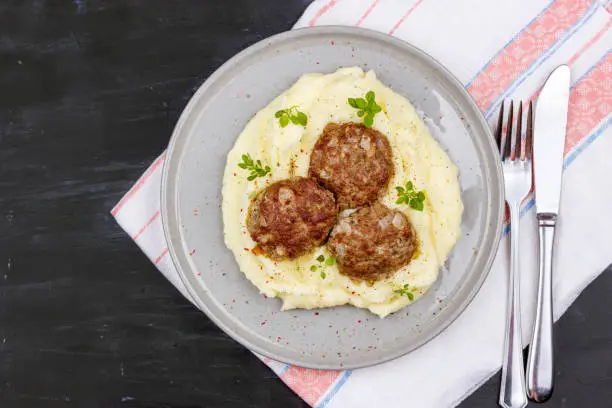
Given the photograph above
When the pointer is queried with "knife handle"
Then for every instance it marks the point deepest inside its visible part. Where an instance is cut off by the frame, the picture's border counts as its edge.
(540, 363)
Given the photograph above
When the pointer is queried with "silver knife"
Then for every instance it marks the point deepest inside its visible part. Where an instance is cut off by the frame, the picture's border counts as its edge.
(548, 145)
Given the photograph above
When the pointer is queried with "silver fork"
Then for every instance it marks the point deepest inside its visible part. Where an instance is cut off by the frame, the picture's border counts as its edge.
(516, 163)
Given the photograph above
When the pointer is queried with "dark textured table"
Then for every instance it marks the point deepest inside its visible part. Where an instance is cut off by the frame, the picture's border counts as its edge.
(89, 94)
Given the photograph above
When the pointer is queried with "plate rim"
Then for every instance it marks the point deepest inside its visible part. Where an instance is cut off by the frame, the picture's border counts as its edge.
(165, 191)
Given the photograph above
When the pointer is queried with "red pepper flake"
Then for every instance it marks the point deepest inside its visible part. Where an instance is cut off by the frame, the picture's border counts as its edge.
(265, 296)
(267, 282)
(247, 249)
(279, 338)
(233, 300)
(358, 321)
(333, 43)
(317, 62)
(316, 313)
(261, 267)
(301, 150)
(199, 274)
(241, 210)
(263, 323)
(234, 174)
(440, 301)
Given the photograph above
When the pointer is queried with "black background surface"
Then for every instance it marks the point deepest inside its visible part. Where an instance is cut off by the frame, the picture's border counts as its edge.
(89, 94)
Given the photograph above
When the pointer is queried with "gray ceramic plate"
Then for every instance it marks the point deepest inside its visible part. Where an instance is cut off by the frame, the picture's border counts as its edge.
(341, 337)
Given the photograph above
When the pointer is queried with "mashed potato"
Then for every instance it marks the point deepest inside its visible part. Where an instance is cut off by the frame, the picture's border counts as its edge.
(306, 282)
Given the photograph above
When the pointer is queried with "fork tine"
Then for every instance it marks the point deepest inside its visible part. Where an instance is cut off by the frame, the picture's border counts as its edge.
(519, 151)
(508, 148)
(500, 127)
(529, 132)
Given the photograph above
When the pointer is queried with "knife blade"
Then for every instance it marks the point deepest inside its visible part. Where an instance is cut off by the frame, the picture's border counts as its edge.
(548, 145)
(549, 140)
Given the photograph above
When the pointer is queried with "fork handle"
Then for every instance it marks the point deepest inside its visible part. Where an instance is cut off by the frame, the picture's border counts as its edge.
(540, 363)
(512, 392)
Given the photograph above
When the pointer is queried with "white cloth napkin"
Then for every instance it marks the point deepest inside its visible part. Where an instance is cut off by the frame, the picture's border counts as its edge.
(500, 50)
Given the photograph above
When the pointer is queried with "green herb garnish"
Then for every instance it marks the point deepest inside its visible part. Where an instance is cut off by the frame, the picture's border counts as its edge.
(323, 263)
(408, 195)
(367, 108)
(292, 115)
(405, 291)
(255, 167)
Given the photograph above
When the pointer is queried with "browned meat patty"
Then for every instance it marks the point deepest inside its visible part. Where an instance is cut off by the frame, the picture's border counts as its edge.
(354, 162)
(372, 242)
(291, 217)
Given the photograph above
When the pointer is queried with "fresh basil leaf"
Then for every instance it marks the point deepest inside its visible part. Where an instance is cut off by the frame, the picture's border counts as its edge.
(302, 119)
(416, 204)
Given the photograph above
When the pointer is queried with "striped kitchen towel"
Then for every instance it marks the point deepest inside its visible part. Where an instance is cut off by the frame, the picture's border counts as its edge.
(500, 50)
